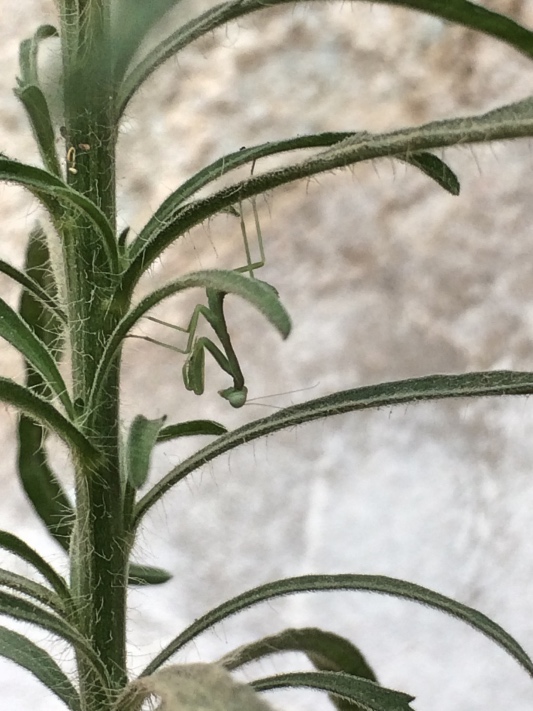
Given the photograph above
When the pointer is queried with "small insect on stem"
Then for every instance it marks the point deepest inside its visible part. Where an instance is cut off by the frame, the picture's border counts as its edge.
(71, 160)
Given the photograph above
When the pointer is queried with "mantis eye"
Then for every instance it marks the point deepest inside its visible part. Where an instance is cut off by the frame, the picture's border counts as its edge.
(235, 397)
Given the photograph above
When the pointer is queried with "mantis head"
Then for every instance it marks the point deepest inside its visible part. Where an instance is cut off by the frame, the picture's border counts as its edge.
(235, 396)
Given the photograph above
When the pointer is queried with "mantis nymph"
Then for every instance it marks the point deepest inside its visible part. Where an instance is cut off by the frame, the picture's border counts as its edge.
(194, 367)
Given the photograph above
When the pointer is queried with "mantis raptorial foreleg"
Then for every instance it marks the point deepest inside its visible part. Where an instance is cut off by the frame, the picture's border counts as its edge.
(194, 367)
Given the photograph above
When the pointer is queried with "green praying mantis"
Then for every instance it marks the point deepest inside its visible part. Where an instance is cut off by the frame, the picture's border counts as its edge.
(194, 367)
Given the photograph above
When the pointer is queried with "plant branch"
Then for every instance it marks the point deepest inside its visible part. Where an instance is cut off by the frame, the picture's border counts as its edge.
(400, 392)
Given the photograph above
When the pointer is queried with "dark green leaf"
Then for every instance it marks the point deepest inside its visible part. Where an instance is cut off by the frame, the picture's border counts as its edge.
(38, 113)
(38, 480)
(33, 288)
(511, 121)
(140, 443)
(17, 332)
(42, 411)
(13, 544)
(38, 305)
(458, 11)
(170, 208)
(258, 293)
(19, 609)
(28, 52)
(433, 387)
(361, 692)
(434, 168)
(362, 583)
(38, 592)
(58, 199)
(146, 575)
(40, 483)
(28, 655)
(325, 650)
(193, 428)
(133, 20)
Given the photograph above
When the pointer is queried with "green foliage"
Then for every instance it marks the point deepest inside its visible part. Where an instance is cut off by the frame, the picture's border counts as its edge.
(76, 312)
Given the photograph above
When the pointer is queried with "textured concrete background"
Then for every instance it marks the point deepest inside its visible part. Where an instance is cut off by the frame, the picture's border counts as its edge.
(385, 276)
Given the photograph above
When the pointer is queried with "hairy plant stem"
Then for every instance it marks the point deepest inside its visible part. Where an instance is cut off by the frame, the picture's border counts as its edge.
(99, 546)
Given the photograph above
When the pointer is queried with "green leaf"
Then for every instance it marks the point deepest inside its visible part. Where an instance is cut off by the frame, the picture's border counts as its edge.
(38, 113)
(258, 293)
(399, 392)
(325, 650)
(511, 121)
(38, 480)
(434, 168)
(26, 654)
(13, 544)
(32, 288)
(26, 611)
(28, 54)
(38, 592)
(17, 332)
(460, 12)
(57, 197)
(361, 583)
(38, 306)
(43, 412)
(170, 208)
(146, 575)
(192, 428)
(133, 20)
(140, 443)
(361, 692)
(41, 484)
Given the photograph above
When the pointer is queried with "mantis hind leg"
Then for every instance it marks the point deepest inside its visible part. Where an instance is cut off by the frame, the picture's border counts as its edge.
(250, 265)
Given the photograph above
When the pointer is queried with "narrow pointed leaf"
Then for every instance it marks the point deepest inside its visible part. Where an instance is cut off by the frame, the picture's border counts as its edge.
(30, 286)
(140, 443)
(399, 392)
(170, 207)
(39, 593)
(26, 611)
(169, 210)
(258, 293)
(41, 485)
(17, 332)
(28, 54)
(361, 583)
(13, 544)
(26, 654)
(147, 575)
(510, 121)
(325, 650)
(363, 693)
(38, 301)
(38, 409)
(193, 428)
(38, 113)
(57, 197)
(461, 12)
(133, 20)
(434, 168)
(38, 480)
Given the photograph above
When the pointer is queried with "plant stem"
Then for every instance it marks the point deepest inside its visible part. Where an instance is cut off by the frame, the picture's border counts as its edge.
(100, 546)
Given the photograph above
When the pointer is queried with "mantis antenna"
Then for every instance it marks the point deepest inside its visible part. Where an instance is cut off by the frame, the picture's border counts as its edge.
(194, 368)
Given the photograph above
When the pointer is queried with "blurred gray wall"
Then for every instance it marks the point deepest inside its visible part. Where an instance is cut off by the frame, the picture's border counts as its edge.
(385, 276)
